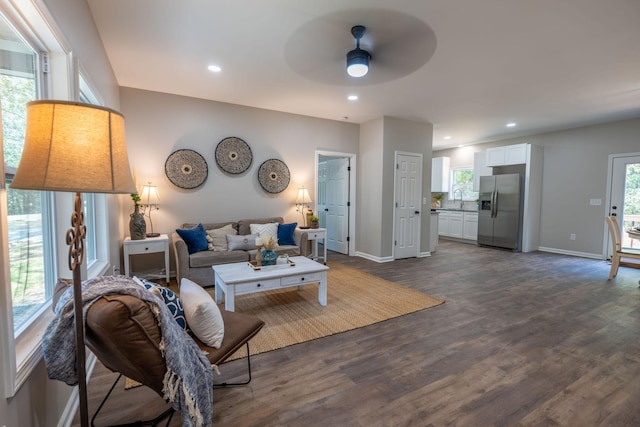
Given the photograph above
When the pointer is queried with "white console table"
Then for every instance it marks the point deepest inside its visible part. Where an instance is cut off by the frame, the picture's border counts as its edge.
(315, 234)
(147, 246)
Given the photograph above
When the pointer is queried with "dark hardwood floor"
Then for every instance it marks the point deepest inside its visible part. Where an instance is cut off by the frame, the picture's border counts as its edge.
(523, 340)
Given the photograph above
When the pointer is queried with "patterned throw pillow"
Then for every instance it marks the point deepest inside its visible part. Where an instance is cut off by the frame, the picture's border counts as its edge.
(170, 299)
(241, 243)
(264, 230)
(217, 237)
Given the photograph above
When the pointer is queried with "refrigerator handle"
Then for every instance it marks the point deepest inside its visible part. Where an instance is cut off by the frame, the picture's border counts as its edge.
(495, 204)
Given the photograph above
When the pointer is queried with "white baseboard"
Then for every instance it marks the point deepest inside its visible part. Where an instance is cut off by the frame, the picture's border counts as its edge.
(373, 258)
(570, 253)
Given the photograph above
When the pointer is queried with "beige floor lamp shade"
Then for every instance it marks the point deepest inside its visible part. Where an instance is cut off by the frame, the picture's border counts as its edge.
(79, 148)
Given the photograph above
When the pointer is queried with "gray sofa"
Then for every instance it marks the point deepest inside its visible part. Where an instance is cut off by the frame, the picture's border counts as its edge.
(197, 266)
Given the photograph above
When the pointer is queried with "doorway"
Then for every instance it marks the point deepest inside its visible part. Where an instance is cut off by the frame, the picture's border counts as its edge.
(624, 197)
(408, 191)
(335, 190)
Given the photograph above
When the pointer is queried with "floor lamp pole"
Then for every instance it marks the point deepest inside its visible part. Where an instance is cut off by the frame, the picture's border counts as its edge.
(75, 240)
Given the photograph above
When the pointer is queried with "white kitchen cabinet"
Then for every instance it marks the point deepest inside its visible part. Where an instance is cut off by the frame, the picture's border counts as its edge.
(480, 168)
(450, 224)
(461, 225)
(470, 226)
(440, 175)
(508, 155)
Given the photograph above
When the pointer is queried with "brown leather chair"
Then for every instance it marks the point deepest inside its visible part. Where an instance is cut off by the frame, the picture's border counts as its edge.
(124, 335)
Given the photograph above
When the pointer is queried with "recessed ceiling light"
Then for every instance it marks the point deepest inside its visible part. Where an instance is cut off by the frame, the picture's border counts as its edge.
(447, 137)
(511, 125)
(352, 97)
(214, 68)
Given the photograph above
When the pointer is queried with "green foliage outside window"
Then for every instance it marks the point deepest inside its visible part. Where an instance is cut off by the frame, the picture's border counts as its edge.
(462, 185)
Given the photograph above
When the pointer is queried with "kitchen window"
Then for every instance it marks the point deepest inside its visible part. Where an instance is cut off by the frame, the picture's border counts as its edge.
(462, 185)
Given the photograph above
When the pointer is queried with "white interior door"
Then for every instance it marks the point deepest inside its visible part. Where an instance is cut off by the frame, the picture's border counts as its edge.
(322, 194)
(408, 190)
(336, 209)
(624, 200)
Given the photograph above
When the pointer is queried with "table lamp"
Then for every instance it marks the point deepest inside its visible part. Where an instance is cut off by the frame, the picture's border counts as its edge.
(149, 199)
(75, 147)
(302, 203)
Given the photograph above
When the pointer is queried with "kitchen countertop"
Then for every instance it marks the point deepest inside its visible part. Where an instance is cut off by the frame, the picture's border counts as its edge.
(453, 210)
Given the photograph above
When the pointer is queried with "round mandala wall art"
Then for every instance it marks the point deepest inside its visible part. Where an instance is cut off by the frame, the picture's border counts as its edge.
(233, 155)
(186, 169)
(273, 176)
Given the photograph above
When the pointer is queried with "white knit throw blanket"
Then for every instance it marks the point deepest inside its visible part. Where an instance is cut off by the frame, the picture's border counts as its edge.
(188, 383)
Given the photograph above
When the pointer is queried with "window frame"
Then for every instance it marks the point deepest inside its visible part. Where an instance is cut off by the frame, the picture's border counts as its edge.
(20, 353)
(468, 195)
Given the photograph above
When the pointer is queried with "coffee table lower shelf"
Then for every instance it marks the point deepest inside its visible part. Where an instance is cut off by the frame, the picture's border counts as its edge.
(240, 279)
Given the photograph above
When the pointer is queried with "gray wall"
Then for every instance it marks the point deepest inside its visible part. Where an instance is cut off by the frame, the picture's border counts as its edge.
(379, 140)
(157, 124)
(574, 171)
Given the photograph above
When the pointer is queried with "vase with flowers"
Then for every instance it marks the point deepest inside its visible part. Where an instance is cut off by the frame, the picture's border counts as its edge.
(137, 225)
(269, 256)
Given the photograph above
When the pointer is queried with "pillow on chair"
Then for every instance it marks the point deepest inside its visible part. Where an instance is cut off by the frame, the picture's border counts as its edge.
(202, 313)
(169, 297)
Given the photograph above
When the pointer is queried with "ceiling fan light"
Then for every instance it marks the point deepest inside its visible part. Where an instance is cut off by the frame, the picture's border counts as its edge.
(358, 62)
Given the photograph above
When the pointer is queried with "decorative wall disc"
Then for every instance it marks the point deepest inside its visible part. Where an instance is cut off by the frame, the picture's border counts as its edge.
(186, 169)
(273, 176)
(233, 155)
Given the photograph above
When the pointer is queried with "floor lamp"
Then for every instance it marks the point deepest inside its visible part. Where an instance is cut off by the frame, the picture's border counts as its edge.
(79, 148)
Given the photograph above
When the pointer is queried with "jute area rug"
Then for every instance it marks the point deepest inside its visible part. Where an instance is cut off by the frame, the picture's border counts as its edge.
(354, 299)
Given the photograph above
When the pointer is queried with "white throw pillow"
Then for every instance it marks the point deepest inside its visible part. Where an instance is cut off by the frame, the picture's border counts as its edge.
(202, 313)
(264, 230)
(217, 238)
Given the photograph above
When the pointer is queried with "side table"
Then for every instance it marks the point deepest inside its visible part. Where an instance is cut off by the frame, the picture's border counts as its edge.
(315, 234)
(147, 246)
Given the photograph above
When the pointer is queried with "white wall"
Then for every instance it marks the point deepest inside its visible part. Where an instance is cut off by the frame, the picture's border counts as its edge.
(574, 171)
(157, 124)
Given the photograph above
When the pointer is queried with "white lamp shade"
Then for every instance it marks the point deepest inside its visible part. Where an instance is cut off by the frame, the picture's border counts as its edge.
(303, 197)
(150, 195)
(75, 147)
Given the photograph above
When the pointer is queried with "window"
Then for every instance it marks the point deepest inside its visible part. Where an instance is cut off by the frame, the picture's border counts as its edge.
(462, 185)
(28, 212)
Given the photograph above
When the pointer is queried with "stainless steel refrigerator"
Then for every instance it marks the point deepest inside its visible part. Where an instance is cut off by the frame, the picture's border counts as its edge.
(500, 208)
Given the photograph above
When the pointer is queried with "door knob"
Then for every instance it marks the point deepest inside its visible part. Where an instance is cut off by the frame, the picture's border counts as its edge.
(326, 209)
(417, 212)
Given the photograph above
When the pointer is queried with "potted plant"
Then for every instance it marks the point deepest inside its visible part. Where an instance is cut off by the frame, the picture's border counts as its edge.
(313, 221)
(436, 200)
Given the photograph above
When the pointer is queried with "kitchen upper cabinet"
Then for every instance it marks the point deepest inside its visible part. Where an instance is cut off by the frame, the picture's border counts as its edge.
(480, 168)
(507, 155)
(440, 175)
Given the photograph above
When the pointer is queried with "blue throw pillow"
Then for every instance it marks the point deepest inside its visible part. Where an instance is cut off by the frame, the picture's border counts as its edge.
(195, 238)
(171, 300)
(285, 234)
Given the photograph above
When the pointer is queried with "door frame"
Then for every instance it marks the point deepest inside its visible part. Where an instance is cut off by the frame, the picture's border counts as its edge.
(395, 180)
(606, 243)
(352, 190)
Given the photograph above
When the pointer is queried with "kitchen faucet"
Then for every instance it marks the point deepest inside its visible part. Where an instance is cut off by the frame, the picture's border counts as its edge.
(454, 198)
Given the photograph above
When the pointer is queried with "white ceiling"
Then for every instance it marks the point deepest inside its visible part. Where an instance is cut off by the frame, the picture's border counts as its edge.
(544, 64)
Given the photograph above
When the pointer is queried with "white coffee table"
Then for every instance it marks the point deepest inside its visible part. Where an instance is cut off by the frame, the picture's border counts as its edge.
(239, 279)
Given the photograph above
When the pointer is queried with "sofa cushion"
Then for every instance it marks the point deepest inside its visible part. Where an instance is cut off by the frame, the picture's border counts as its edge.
(241, 243)
(265, 231)
(217, 237)
(195, 238)
(203, 315)
(209, 258)
(286, 234)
